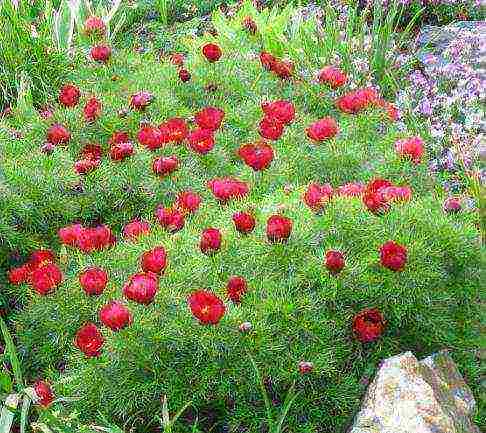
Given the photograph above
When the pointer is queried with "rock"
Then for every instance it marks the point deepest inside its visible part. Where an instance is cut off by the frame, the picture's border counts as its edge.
(408, 396)
(465, 37)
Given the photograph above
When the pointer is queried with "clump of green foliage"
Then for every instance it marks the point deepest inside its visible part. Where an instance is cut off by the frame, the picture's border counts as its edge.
(26, 49)
(298, 310)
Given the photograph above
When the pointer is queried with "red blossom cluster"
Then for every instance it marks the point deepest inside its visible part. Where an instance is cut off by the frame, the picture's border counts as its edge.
(212, 52)
(40, 271)
(277, 115)
(90, 159)
(380, 193)
(412, 148)
(94, 26)
(228, 188)
(142, 287)
(281, 68)
(121, 146)
(358, 100)
(87, 239)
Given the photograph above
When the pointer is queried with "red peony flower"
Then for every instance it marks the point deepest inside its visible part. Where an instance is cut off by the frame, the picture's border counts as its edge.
(334, 261)
(165, 165)
(228, 188)
(93, 281)
(115, 315)
(271, 128)
(95, 238)
(184, 75)
(170, 219)
(201, 140)
(412, 148)
(376, 202)
(283, 111)
(188, 202)
(89, 340)
(210, 241)
(69, 95)
(322, 129)
(141, 100)
(83, 166)
(283, 69)
(396, 193)
(377, 185)
(177, 59)
(368, 325)
(306, 367)
(44, 394)
(92, 151)
(355, 189)
(19, 275)
(244, 222)
(357, 100)
(46, 278)
(452, 205)
(118, 137)
(150, 137)
(94, 25)
(333, 76)
(39, 258)
(176, 128)
(120, 151)
(393, 256)
(212, 52)
(58, 134)
(278, 228)
(317, 196)
(142, 288)
(68, 235)
(206, 307)
(267, 60)
(100, 53)
(92, 109)
(136, 228)
(209, 118)
(236, 288)
(154, 260)
(258, 156)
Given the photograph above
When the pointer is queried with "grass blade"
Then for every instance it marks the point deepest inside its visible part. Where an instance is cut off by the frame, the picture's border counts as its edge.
(12, 353)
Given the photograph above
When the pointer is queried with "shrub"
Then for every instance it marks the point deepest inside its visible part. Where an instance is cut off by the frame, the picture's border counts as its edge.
(43, 192)
(298, 310)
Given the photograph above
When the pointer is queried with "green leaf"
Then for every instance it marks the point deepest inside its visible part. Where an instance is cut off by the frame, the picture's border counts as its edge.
(12, 353)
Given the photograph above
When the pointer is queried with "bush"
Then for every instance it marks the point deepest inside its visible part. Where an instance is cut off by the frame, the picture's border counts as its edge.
(298, 310)
(43, 192)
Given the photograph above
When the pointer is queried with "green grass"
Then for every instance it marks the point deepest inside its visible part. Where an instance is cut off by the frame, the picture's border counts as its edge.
(298, 310)
(24, 54)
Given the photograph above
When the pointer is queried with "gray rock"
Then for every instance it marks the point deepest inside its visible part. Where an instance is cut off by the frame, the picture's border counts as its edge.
(408, 396)
(436, 40)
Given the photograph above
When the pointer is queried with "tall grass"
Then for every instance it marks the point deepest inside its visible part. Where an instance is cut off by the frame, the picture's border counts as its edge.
(27, 50)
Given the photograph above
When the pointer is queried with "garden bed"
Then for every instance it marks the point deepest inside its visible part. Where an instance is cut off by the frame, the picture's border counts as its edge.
(156, 180)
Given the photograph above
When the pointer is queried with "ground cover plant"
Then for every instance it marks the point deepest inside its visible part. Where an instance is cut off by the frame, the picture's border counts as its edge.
(245, 228)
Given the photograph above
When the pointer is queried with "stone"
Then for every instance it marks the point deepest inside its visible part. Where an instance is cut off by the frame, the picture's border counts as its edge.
(411, 396)
(467, 37)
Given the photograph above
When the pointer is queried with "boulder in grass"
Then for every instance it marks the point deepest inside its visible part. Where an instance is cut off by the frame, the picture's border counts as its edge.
(411, 396)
